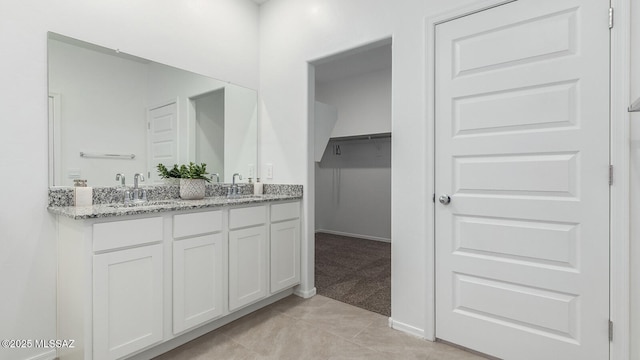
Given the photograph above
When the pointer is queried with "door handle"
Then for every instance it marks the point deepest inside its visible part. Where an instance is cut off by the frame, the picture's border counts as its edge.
(444, 199)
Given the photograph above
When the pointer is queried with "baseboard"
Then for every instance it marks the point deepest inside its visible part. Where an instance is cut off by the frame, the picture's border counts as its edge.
(408, 329)
(305, 294)
(366, 237)
(49, 355)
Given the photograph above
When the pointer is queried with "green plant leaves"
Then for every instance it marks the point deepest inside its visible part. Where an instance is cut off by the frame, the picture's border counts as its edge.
(191, 171)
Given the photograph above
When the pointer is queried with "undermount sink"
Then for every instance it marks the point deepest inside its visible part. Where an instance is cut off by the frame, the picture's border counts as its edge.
(245, 197)
(232, 199)
(141, 203)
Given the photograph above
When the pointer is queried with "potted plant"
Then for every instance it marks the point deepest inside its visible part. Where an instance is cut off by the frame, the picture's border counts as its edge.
(192, 179)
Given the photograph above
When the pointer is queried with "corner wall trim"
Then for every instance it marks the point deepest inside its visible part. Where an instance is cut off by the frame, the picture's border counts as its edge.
(408, 329)
(305, 294)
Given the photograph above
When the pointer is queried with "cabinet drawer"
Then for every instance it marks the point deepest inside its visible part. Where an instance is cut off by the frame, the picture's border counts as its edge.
(249, 216)
(197, 223)
(119, 234)
(286, 211)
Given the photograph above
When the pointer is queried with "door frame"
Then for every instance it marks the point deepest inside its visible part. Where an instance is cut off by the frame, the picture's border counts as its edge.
(619, 281)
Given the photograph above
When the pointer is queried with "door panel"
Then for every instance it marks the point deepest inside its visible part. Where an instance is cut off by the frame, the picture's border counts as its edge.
(522, 149)
(162, 138)
(127, 301)
(248, 267)
(198, 277)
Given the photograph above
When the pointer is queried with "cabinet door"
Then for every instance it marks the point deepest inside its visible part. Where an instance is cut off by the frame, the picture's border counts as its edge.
(247, 266)
(127, 301)
(197, 281)
(285, 254)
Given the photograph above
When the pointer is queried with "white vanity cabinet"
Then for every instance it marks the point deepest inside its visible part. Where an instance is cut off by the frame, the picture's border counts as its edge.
(110, 283)
(137, 285)
(285, 245)
(248, 269)
(199, 270)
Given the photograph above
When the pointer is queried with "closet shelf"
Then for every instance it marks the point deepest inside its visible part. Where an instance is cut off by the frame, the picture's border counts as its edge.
(362, 137)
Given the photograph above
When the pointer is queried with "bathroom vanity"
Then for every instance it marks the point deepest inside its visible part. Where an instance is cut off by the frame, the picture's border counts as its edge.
(131, 279)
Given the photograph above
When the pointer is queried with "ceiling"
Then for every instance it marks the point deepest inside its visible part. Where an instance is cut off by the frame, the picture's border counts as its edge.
(259, 2)
(355, 63)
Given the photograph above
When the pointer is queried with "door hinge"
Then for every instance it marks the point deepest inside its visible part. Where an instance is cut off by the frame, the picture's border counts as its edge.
(148, 126)
(610, 174)
(610, 330)
(434, 198)
(610, 18)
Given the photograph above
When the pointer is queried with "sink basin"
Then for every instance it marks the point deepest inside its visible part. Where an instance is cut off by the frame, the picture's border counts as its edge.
(245, 197)
(140, 204)
(178, 202)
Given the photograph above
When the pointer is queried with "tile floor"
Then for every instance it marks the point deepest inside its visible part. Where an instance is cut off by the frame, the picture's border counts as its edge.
(316, 328)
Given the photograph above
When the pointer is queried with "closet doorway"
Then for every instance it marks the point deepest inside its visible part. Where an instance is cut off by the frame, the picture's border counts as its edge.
(352, 189)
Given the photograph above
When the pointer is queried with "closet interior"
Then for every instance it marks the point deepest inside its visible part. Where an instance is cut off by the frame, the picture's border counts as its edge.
(353, 177)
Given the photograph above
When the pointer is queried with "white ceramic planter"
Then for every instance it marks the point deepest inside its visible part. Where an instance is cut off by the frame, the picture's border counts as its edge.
(192, 189)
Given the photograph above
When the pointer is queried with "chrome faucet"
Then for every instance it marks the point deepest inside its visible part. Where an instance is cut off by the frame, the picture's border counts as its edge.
(138, 194)
(233, 190)
(120, 177)
(137, 177)
(233, 180)
(217, 177)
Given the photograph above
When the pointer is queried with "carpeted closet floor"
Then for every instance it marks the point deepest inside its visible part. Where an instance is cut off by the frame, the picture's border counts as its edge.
(354, 271)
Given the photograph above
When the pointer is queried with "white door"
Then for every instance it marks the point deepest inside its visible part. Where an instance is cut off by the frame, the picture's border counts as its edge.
(522, 149)
(162, 139)
(197, 281)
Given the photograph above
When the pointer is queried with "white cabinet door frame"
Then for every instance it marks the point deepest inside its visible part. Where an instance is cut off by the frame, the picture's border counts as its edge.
(248, 267)
(127, 301)
(285, 254)
(197, 281)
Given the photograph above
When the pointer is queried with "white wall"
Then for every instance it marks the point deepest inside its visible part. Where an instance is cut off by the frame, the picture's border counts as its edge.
(294, 32)
(209, 142)
(90, 123)
(635, 184)
(363, 102)
(353, 189)
(240, 133)
(215, 38)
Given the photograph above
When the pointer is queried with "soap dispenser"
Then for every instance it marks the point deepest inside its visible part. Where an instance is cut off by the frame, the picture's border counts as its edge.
(83, 194)
(257, 187)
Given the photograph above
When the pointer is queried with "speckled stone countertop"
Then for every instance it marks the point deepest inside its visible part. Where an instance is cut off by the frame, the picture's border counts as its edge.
(162, 198)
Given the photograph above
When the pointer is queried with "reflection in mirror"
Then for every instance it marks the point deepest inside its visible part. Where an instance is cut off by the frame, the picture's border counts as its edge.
(127, 114)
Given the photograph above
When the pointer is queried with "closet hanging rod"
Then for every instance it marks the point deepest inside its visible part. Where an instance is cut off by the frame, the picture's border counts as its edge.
(362, 137)
(108, 156)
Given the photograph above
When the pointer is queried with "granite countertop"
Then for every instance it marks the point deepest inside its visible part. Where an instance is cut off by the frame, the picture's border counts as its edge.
(107, 201)
(118, 209)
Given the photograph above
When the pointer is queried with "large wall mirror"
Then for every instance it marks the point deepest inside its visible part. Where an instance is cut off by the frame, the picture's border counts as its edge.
(112, 113)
